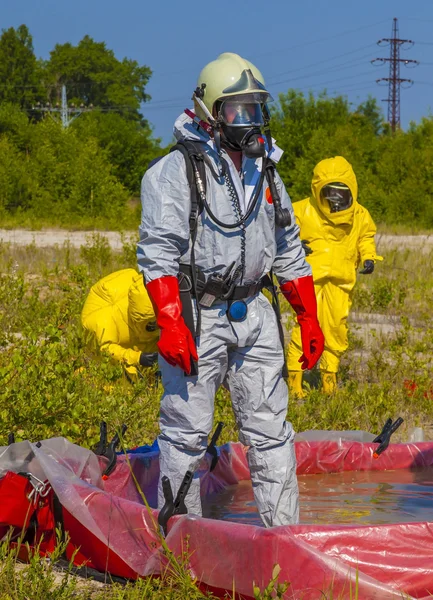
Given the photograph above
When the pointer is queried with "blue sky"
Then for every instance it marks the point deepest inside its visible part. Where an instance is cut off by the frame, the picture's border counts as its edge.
(307, 44)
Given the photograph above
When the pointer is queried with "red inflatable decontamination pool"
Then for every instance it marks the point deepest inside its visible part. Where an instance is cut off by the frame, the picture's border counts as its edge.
(113, 530)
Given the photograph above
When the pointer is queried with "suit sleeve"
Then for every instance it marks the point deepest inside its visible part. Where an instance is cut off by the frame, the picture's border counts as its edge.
(366, 242)
(289, 263)
(165, 210)
(126, 356)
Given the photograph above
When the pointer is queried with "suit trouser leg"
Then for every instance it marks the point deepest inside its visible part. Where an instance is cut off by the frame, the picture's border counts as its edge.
(260, 398)
(187, 407)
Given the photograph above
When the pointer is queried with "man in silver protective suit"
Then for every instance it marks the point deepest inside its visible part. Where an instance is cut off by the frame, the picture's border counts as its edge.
(244, 231)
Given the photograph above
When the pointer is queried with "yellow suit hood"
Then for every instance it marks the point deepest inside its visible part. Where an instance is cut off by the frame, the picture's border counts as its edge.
(117, 314)
(328, 171)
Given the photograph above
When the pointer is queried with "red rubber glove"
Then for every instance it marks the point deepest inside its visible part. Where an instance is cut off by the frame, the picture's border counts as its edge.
(300, 293)
(176, 343)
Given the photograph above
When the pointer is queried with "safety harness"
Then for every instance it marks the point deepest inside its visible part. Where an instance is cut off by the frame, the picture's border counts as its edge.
(221, 286)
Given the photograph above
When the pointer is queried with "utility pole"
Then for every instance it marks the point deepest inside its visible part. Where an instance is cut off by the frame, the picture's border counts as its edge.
(394, 80)
(67, 113)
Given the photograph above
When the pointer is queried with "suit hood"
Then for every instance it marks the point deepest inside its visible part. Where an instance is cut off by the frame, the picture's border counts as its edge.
(328, 171)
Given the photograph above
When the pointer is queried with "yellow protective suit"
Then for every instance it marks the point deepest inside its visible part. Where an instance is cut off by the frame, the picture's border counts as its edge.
(339, 243)
(119, 319)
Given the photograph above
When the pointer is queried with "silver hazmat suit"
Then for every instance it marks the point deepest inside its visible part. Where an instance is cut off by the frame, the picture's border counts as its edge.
(247, 356)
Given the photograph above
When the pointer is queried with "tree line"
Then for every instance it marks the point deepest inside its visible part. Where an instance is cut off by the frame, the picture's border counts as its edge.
(90, 170)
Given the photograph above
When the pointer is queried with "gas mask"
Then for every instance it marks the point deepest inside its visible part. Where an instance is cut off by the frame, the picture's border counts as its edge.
(242, 119)
(233, 102)
(337, 195)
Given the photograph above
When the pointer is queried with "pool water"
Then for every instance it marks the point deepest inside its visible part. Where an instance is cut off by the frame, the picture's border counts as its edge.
(357, 497)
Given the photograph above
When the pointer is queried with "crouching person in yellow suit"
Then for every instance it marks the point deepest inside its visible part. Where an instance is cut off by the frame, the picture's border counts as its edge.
(118, 319)
(338, 235)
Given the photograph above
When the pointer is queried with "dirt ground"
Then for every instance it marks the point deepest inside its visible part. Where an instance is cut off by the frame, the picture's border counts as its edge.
(47, 238)
(52, 237)
(364, 324)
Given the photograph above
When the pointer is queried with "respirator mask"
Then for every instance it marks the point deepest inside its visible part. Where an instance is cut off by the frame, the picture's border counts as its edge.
(337, 195)
(241, 120)
(238, 114)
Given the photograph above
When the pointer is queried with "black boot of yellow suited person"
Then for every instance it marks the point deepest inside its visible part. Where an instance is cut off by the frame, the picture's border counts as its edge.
(295, 384)
(329, 382)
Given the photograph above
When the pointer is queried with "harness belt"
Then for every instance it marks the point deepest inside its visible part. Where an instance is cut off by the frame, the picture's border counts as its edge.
(241, 292)
(238, 292)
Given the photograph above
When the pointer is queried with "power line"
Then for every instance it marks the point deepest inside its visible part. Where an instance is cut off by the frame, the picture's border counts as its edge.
(320, 40)
(90, 84)
(67, 113)
(178, 102)
(333, 69)
(415, 19)
(324, 83)
(47, 87)
(310, 42)
(364, 82)
(394, 80)
(319, 62)
(344, 91)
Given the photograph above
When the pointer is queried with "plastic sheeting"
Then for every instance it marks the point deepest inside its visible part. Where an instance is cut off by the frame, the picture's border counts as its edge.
(109, 522)
(107, 527)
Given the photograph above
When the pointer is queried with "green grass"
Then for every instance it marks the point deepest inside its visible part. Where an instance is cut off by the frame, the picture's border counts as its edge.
(402, 229)
(131, 220)
(26, 220)
(51, 578)
(52, 385)
(41, 295)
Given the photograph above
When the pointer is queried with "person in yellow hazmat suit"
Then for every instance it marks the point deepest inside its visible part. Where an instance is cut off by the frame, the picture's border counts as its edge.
(338, 236)
(118, 319)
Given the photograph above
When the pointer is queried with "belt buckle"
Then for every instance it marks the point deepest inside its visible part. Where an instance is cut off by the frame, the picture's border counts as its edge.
(184, 277)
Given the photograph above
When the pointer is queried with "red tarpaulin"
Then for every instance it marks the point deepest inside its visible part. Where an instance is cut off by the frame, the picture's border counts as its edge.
(108, 521)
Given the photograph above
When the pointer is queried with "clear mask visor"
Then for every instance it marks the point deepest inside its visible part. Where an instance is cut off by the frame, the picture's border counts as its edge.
(337, 195)
(239, 114)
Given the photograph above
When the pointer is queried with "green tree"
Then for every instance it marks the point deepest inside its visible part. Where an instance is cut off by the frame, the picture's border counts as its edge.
(129, 144)
(94, 76)
(372, 114)
(19, 68)
(74, 177)
(394, 172)
(15, 123)
(59, 177)
(402, 181)
(16, 182)
(296, 118)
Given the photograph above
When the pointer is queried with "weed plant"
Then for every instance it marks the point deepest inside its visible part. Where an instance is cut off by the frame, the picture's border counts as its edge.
(52, 385)
(52, 578)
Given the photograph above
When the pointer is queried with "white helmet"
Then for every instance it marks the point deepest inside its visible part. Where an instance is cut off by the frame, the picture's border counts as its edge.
(231, 96)
(229, 76)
